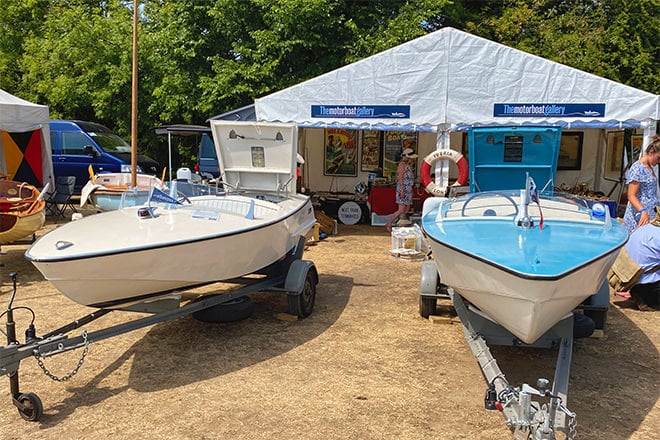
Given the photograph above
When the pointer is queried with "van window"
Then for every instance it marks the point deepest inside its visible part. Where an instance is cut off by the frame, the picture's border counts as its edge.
(110, 142)
(74, 143)
(207, 148)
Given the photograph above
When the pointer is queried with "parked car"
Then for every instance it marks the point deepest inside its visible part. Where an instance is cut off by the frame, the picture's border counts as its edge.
(207, 159)
(77, 144)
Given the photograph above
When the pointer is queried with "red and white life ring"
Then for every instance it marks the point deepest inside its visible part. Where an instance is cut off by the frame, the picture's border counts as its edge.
(443, 154)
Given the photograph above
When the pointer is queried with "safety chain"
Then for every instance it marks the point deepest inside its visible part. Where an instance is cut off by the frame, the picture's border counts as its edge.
(572, 422)
(74, 371)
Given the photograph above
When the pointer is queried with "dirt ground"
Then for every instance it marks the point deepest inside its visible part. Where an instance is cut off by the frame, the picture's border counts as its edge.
(364, 365)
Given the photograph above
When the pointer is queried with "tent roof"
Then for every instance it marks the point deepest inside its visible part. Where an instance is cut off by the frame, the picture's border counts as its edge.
(182, 129)
(23, 158)
(18, 115)
(452, 78)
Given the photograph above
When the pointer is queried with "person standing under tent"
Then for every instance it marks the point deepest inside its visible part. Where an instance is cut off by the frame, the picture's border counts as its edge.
(642, 187)
(404, 185)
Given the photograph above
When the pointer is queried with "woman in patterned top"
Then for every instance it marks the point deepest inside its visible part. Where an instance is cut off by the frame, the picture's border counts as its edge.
(404, 185)
(642, 187)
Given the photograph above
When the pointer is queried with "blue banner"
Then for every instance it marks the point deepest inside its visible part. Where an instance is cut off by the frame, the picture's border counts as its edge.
(549, 110)
(160, 196)
(361, 111)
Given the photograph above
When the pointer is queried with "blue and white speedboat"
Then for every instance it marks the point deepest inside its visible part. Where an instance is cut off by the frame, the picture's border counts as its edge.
(524, 260)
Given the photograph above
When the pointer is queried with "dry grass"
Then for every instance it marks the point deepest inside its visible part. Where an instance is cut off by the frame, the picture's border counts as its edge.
(365, 365)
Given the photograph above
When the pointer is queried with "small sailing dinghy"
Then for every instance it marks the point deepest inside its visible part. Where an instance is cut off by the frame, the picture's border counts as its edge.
(22, 210)
(109, 191)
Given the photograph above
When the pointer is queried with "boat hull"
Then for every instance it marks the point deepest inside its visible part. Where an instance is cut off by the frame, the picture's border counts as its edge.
(527, 307)
(15, 227)
(149, 257)
(22, 210)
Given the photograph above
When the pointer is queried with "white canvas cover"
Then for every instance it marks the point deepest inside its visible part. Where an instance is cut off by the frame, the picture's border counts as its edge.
(19, 116)
(450, 78)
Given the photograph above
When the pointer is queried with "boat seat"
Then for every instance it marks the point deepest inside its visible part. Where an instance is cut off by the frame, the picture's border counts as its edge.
(61, 199)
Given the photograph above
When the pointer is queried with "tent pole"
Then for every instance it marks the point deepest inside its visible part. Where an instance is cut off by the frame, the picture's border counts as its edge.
(169, 152)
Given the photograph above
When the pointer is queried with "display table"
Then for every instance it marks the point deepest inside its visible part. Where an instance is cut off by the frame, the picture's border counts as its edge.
(382, 199)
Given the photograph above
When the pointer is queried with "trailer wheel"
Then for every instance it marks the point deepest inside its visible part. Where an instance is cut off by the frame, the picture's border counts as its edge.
(302, 304)
(230, 311)
(29, 407)
(427, 306)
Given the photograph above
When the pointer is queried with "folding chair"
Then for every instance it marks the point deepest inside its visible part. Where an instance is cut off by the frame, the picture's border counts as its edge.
(60, 200)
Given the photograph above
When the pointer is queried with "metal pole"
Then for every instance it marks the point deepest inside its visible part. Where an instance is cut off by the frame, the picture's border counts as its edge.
(134, 100)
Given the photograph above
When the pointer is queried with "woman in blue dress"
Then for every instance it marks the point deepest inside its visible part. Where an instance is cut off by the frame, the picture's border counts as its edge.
(404, 185)
(642, 188)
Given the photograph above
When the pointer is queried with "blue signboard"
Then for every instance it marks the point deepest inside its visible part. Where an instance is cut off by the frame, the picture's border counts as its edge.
(361, 111)
(549, 110)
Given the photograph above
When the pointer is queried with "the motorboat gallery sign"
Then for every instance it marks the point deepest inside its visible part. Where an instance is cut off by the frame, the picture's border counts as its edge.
(549, 110)
(361, 111)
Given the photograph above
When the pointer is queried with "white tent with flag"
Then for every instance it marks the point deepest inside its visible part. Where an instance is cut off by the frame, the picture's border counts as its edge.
(447, 81)
(25, 153)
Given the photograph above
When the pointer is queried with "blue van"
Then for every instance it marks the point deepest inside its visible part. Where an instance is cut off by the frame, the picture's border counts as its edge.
(77, 144)
(207, 159)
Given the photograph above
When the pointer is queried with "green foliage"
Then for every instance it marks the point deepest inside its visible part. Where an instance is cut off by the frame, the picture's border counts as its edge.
(616, 39)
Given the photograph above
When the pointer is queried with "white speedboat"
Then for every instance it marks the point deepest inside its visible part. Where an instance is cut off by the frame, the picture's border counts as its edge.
(116, 258)
(525, 265)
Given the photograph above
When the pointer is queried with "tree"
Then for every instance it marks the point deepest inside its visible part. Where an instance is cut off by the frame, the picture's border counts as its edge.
(610, 38)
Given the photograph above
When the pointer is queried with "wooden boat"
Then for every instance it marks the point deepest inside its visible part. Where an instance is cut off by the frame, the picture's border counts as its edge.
(169, 245)
(22, 210)
(109, 191)
(524, 265)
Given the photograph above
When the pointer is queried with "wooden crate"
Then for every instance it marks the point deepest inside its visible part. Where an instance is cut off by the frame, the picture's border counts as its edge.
(326, 223)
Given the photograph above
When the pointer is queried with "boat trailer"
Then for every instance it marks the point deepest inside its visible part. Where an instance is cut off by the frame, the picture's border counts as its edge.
(531, 413)
(291, 275)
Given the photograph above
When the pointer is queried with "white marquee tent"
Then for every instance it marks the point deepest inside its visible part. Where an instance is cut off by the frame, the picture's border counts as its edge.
(24, 156)
(449, 80)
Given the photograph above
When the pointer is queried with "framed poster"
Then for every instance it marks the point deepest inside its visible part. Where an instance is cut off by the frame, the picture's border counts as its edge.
(570, 151)
(395, 143)
(340, 152)
(614, 155)
(370, 150)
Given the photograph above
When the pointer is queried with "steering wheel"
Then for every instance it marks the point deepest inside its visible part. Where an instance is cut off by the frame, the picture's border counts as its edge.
(482, 194)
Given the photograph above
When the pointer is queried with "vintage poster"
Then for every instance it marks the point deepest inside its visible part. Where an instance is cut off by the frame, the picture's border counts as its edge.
(340, 152)
(370, 150)
(614, 155)
(395, 143)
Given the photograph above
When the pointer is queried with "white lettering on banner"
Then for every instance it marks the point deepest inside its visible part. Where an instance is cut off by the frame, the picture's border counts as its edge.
(541, 110)
(347, 111)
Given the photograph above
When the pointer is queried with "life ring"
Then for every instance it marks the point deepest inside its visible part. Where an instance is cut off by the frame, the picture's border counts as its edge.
(443, 154)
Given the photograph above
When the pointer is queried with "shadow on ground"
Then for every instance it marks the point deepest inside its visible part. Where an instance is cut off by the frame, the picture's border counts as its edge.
(185, 351)
(613, 381)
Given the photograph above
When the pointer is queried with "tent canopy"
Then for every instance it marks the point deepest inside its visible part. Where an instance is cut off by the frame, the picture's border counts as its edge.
(450, 78)
(25, 153)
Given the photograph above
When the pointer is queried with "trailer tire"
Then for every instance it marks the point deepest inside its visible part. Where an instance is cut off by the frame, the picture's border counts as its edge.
(427, 306)
(301, 304)
(31, 408)
(230, 311)
(583, 326)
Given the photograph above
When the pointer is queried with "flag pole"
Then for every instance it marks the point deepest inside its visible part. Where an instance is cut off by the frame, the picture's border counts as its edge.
(134, 99)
